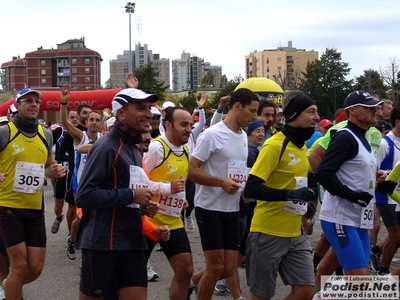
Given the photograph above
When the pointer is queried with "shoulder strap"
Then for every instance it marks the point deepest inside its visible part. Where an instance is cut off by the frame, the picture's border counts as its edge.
(284, 144)
(387, 162)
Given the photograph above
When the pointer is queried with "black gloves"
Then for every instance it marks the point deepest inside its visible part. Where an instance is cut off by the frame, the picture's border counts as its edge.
(361, 198)
(386, 187)
(311, 210)
(301, 194)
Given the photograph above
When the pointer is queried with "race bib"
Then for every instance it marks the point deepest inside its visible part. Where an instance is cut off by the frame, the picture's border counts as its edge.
(137, 180)
(238, 169)
(367, 216)
(297, 206)
(172, 204)
(29, 177)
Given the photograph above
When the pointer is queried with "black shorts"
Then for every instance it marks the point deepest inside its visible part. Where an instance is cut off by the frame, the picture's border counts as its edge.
(178, 243)
(22, 225)
(63, 189)
(390, 216)
(218, 230)
(103, 270)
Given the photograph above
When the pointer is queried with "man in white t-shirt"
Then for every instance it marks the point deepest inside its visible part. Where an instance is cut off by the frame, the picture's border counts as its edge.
(218, 166)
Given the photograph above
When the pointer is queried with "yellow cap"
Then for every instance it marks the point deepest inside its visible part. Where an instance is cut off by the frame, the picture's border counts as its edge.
(264, 87)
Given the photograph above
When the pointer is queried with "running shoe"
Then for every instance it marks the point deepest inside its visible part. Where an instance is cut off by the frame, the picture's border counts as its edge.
(189, 223)
(151, 274)
(158, 247)
(56, 224)
(222, 287)
(71, 250)
(375, 262)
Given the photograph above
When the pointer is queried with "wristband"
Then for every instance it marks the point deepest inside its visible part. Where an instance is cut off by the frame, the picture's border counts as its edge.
(63, 103)
(220, 111)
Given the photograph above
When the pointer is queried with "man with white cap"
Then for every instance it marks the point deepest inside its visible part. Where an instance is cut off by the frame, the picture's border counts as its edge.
(155, 122)
(25, 160)
(112, 195)
(348, 173)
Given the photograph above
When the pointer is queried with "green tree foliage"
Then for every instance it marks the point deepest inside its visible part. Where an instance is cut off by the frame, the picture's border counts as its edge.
(189, 100)
(146, 74)
(227, 89)
(108, 84)
(208, 79)
(325, 81)
(372, 82)
(224, 81)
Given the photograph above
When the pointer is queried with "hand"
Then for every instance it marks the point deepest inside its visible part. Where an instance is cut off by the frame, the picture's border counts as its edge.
(162, 232)
(381, 176)
(185, 205)
(311, 210)
(246, 200)
(57, 170)
(131, 80)
(231, 185)
(386, 187)
(223, 102)
(150, 209)
(143, 196)
(178, 185)
(107, 112)
(202, 101)
(2, 177)
(301, 194)
(363, 199)
(65, 92)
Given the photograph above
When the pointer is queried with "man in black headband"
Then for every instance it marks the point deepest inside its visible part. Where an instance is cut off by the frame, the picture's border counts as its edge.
(278, 180)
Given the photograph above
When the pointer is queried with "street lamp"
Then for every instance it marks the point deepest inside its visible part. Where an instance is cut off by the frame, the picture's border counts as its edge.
(130, 9)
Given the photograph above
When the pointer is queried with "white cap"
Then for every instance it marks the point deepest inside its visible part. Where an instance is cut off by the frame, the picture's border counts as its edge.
(110, 122)
(130, 95)
(3, 119)
(155, 111)
(167, 104)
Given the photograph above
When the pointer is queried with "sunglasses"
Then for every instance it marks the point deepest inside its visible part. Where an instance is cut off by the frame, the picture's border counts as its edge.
(30, 101)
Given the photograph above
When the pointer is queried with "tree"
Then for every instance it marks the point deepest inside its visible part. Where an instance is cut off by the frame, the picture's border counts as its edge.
(227, 89)
(223, 82)
(388, 75)
(146, 74)
(325, 81)
(372, 82)
(108, 84)
(208, 79)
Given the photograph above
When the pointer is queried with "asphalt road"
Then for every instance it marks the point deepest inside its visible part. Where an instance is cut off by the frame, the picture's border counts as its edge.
(60, 279)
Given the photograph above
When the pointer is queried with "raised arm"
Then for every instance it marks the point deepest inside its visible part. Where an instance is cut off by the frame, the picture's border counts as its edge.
(74, 132)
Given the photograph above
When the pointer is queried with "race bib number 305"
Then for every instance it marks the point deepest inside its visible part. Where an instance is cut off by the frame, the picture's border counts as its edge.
(29, 177)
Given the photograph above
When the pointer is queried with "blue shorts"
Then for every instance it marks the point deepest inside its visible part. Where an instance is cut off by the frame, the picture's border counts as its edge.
(350, 243)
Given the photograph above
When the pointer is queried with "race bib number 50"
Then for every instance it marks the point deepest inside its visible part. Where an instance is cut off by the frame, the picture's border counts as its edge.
(29, 177)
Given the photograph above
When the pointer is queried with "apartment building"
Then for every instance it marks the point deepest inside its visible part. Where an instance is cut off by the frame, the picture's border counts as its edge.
(284, 65)
(141, 56)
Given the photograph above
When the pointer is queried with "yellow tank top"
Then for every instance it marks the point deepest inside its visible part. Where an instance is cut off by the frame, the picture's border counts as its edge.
(172, 167)
(24, 159)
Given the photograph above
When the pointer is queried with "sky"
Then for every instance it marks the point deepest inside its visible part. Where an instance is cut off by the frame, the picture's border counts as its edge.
(222, 32)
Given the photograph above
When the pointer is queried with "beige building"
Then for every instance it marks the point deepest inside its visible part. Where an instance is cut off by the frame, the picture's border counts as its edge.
(284, 65)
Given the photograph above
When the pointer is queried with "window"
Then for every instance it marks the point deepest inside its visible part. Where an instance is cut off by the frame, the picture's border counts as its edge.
(279, 58)
(43, 81)
(87, 79)
(87, 70)
(74, 79)
(279, 68)
(267, 60)
(43, 72)
(267, 69)
(74, 70)
(43, 62)
(73, 61)
(87, 61)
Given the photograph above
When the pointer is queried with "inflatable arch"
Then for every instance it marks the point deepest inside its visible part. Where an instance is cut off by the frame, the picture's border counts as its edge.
(98, 99)
(264, 87)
